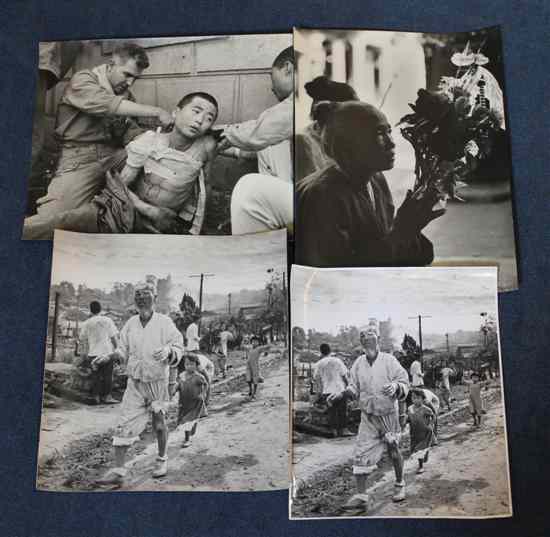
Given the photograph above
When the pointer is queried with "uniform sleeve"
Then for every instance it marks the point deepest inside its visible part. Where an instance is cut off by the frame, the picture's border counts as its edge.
(85, 93)
(273, 126)
(139, 149)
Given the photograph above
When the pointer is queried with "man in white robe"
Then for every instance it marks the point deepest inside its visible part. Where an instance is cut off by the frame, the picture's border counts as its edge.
(378, 381)
(150, 343)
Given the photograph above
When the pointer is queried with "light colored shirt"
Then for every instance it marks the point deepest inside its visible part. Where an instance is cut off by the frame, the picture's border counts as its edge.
(192, 335)
(367, 381)
(272, 127)
(416, 374)
(138, 343)
(98, 331)
(88, 98)
(331, 375)
(446, 372)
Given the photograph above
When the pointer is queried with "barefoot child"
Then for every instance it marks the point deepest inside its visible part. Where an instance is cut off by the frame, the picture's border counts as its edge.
(253, 376)
(421, 419)
(476, 404)
(192, 388)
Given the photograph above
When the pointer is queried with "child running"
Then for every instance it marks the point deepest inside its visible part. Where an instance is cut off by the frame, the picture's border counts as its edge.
(253, 376)
(476, 403)
(193, 389)
(421, 419)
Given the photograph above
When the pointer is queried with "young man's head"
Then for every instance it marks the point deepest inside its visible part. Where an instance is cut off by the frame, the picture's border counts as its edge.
(325, 349)
(195, 114)
(255, 341)
(126, 65)
(144, 297)
(282, 74)
(95, 307)
(418, 397)
(191, 362)
(474, 377)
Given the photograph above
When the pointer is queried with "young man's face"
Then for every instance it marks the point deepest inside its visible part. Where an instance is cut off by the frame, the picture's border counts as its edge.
(122, 73)
(195, 118)
(282, 80)
(190, 366)
(417, 400)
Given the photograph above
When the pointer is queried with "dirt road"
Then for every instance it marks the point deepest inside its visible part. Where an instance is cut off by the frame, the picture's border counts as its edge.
(466, 476)
(241, 445)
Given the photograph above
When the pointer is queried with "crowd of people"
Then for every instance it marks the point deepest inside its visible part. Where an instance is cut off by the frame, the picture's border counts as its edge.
(391, 400)
(160, 364)
(112, 176)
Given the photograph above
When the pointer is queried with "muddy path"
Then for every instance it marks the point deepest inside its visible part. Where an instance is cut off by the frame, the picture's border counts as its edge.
(466, 476)
(241, 445)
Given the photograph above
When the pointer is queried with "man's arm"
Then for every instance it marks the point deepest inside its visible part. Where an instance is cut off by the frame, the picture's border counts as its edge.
(85, 93)
(273, 126)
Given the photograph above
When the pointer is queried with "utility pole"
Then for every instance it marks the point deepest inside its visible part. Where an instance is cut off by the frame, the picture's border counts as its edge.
(202, 275)
(229, 303)
(447, 341)
(420, 330)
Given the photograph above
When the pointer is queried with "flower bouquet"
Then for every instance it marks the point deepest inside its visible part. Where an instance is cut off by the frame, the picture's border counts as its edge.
(451, 129)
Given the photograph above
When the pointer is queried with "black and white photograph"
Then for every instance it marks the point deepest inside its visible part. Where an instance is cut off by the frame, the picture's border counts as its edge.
(166, 364)
(402, 150)
(397, 394)
(182, 135)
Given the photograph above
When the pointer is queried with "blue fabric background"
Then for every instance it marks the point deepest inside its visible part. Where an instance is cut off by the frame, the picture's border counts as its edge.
(25, 267)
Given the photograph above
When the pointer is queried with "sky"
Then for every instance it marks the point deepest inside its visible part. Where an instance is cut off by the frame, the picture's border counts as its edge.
(237, 262)
(453, 298)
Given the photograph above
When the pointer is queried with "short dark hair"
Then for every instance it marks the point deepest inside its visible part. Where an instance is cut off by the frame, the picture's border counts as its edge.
(128, 51)
(202, 95)
(324, 348)
(95, 307)
(420, 393)
(287, 55)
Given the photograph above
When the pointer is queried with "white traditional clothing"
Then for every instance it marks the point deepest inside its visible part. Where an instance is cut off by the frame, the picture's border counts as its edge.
(379, 413)
(147, 388)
